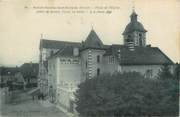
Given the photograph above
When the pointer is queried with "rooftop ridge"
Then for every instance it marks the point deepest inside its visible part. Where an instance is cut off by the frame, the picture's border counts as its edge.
(60, 41)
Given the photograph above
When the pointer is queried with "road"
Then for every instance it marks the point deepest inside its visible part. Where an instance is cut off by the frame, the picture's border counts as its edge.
(26, 107)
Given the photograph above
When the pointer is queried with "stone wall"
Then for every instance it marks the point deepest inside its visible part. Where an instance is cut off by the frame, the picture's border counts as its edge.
(142, 69)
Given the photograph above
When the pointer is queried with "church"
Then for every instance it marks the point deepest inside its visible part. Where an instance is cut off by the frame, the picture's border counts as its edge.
(63, 65)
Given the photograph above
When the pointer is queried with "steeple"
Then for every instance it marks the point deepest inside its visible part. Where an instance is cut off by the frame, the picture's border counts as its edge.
(134, 33)
(93, 40)
(134, 16)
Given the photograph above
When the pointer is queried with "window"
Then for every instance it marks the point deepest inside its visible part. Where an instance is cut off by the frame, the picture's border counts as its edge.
(98, 72)
(129, 36)
(69, 61)
(86, 64)
(98, 59)
(129, 40)
(111, 60)
(149, 73)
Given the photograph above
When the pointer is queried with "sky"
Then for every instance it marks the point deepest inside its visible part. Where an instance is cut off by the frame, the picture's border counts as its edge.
(22, 26)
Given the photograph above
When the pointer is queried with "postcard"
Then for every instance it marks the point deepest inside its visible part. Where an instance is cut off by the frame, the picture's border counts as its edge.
(89, 58)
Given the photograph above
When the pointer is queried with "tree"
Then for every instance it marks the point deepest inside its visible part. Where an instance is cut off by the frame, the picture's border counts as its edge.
(177, 72)
(170, 83)
(165, 72)
(126, 94)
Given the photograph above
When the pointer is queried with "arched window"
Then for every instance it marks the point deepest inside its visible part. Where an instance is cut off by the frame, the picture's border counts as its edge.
(129, 39)
(98, 59)
(148, 73)
(140, 40)
(98, 72)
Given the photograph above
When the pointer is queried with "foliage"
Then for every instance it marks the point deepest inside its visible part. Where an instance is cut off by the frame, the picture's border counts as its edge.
(165, 73)
(127, 94)
(177, 71)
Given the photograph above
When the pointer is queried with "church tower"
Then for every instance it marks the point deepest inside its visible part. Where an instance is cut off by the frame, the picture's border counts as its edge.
(134, 34)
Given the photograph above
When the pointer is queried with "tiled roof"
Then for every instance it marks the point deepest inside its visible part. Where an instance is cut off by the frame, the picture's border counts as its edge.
(55, 44)
(66, 51)
(139, 56)
(93, 41)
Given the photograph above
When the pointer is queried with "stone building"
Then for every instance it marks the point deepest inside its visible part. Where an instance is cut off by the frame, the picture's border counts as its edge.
(7, 74)
(63, 65)
(47, 49)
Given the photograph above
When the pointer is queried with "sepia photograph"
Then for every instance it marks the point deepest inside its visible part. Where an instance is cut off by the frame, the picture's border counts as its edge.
(89, 58)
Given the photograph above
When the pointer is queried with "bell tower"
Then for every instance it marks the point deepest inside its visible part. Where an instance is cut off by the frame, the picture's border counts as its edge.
(134, 34)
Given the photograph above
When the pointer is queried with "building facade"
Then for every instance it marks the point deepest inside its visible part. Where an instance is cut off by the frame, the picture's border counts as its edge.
(63, 65)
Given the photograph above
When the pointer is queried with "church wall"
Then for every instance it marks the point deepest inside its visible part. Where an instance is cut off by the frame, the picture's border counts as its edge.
(110, 66)
(142, 69)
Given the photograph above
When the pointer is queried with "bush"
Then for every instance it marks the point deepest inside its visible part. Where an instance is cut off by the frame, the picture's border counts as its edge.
(127, 94)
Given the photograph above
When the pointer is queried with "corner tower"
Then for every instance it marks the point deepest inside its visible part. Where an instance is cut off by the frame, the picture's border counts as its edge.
(134, 34)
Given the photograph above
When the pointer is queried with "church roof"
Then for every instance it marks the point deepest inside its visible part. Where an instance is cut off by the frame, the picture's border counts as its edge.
(67, 51)
(56, 44)
(139, 56)
(93, 41)
(134, 25)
